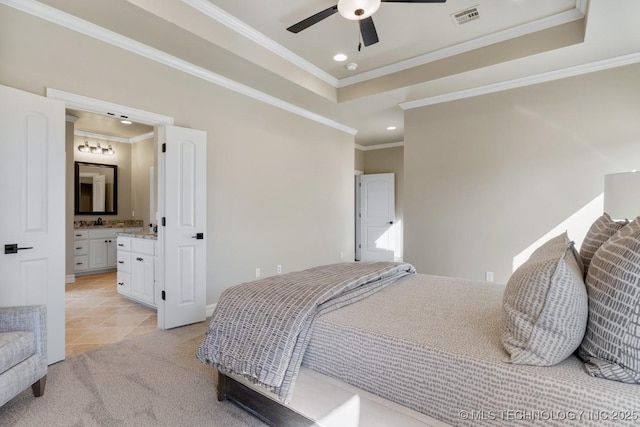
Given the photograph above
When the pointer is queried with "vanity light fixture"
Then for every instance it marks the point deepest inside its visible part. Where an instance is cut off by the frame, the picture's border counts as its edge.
(86, 148)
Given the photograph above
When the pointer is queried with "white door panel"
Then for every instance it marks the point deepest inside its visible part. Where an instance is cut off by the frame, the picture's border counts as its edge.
(376, 217)
(182, 203)
(32, 132)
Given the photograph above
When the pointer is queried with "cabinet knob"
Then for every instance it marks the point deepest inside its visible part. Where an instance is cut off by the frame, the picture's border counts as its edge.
(121, 283)
(120, 262)
(139, 259)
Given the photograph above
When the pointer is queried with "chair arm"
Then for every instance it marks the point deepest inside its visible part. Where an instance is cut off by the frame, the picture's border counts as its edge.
(26, 318)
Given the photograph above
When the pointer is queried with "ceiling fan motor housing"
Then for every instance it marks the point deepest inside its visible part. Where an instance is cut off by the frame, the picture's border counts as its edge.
(358, 9)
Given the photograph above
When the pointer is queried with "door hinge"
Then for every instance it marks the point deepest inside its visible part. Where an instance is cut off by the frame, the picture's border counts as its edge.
(164, 221)
(164, 296)
(359, 215)
(360, 246)
(164, 147)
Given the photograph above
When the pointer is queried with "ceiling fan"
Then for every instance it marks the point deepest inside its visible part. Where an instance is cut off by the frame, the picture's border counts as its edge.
(355, 10)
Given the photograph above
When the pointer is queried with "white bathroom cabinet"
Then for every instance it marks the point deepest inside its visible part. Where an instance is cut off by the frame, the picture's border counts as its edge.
(95, 250)
(136, 268)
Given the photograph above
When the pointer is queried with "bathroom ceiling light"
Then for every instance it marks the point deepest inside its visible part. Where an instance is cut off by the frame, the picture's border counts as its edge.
(126, 122)
(391, 128)
(339, 57)
(86, 148)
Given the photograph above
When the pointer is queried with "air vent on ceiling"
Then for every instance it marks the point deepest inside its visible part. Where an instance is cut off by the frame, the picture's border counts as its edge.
(466, 15)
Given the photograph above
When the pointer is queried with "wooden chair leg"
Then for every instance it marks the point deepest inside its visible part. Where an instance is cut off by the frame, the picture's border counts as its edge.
(38, 387)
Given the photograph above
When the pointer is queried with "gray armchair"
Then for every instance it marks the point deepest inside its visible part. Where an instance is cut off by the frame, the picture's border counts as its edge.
(23, 350)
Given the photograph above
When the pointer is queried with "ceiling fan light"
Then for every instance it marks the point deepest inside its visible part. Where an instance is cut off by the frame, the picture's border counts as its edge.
(357, 9)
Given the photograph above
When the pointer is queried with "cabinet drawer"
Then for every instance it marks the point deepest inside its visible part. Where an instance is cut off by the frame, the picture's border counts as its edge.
(80, 234)
(80, 263)
(124, 261)
(80, 247)
(123, 283)
(143, 246)
(124, 243)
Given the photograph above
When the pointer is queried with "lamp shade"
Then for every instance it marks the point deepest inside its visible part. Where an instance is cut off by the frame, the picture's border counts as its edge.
(622, 195)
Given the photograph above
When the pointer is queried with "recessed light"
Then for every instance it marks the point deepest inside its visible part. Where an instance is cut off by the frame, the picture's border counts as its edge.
(391, 128)
(125, 122)
(340, 57)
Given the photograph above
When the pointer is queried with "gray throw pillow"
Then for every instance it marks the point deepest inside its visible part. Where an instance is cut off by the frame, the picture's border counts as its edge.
(599, 232)
(545, 306)
(611, 345)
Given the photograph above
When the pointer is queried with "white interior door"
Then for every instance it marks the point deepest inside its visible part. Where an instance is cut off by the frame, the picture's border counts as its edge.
(182, 268)
(377, 217)
(32, 171)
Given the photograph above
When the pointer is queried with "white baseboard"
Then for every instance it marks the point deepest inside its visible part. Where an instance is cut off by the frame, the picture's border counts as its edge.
(210, 309)
(70, 278)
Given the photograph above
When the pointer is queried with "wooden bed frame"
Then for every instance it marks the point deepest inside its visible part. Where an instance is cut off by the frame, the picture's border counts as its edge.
(268, 410)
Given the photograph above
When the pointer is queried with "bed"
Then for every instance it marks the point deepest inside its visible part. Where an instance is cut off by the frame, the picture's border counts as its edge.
(426, 351)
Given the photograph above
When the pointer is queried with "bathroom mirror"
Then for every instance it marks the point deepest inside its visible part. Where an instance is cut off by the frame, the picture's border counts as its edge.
(96, 189)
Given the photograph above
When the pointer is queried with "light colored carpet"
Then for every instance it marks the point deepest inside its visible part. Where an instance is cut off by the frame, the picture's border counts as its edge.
(151, 380)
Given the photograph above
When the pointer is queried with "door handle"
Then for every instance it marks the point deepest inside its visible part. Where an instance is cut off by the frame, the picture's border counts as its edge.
(13, 248)
(198, 236)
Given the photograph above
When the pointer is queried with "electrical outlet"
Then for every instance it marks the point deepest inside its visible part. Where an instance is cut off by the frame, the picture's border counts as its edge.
(489, 276)
(257, 272)
(279, 269)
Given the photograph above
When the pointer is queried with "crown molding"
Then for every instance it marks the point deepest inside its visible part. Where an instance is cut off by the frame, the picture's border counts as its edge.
(576, 70)
(87, 28)
(214, 12)
(511, 33)
(245, 30)
(378, 146)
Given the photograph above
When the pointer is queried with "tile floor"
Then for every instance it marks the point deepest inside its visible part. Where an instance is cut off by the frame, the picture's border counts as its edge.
(96, 314)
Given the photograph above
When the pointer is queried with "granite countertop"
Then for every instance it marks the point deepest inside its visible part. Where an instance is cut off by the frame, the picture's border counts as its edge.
(140, 235)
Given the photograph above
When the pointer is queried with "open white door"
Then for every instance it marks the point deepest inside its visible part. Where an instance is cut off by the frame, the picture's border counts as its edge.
(32, 164)
(376, 216)
(182, 192)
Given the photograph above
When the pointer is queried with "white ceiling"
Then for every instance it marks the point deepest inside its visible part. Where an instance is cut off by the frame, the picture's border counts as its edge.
(423, 57)
(406, 30)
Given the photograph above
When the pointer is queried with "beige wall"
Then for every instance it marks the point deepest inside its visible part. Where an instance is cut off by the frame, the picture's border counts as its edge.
(390, 160)
(279, 186)
(488, 176)
(142, 159)
(359, 160)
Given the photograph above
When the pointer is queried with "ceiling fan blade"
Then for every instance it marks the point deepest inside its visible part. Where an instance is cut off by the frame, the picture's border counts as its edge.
(368, 31)
(314, 19)
(413, 1)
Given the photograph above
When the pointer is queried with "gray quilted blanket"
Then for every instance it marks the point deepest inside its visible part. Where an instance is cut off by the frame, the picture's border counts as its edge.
(261, 329)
